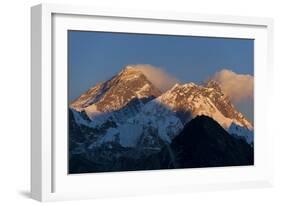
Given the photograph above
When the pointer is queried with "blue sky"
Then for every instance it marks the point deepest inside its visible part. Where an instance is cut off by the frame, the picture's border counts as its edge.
(96, 56)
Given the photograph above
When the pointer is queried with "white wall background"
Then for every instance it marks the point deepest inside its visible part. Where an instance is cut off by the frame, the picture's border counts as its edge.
(15, 95)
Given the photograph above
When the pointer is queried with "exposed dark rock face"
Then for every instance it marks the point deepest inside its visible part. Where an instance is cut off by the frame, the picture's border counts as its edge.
(204, 143)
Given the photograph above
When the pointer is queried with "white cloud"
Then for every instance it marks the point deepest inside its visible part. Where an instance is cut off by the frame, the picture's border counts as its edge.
(160, 78)
(239, 87)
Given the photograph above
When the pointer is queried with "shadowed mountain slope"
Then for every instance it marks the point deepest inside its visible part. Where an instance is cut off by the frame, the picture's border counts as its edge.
(202, 143)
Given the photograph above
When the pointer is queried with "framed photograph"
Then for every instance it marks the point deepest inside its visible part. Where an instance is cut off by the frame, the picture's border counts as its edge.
(134, 102)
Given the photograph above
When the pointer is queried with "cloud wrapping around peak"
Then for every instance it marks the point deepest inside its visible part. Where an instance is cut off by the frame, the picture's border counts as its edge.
(239, 87)
(157, 76)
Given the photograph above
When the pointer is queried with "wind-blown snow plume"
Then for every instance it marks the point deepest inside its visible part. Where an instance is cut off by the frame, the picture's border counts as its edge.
(157, 76)
(239, 87)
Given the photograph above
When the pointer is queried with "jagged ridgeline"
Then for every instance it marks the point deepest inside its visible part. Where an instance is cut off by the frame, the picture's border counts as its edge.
(127, 123)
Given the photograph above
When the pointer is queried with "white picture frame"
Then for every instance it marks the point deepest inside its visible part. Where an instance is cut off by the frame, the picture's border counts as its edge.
(49, 180)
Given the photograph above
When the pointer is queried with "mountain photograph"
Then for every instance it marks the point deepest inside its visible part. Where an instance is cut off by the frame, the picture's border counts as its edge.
(150, 102)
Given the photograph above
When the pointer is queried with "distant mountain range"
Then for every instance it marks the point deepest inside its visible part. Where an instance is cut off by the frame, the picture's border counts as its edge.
(127, 123)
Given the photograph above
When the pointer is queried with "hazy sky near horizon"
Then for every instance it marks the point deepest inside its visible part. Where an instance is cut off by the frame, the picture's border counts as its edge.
(97, 56)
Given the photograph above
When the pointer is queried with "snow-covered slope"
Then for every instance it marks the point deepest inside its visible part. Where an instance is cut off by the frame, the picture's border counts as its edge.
(224, 105)
(241, 132)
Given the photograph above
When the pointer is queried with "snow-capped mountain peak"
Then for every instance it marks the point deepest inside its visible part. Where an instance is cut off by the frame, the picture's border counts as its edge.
(190, 100)
(223, 103)
(128, 85)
